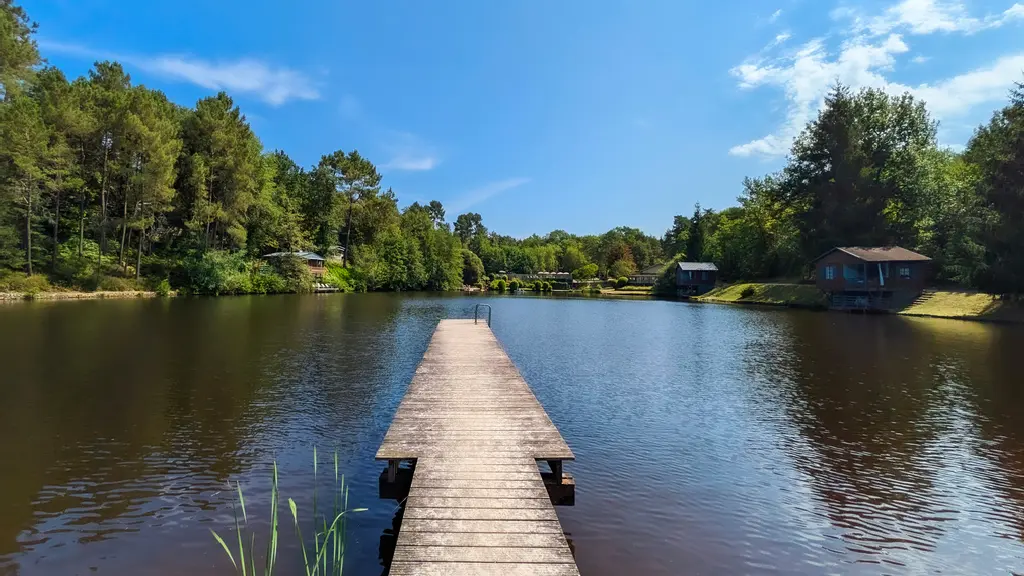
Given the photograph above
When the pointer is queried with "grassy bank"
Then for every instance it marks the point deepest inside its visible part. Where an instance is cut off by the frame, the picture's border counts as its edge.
(967, 306)
(72, 295)
(795, 295)
(628, 291)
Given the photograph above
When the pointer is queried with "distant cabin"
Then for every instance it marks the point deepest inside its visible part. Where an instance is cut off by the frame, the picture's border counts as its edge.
(648, 276)
(695, 278)
(564, 277)
(314, 261)
(871, 277)
(336, 254)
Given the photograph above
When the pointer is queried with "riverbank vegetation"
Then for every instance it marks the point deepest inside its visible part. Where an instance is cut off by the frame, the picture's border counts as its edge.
(107, 185)
(329, 529)
(778, 294)
(966, 305)
(868, 171)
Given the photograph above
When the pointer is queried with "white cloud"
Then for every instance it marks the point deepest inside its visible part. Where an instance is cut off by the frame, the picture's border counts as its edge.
(473, 197)
(866, 59)
(955, 96)
(273, 85)
(920, 59)
(409, 152)
(805, 78)
(775, 15)
(928, 17)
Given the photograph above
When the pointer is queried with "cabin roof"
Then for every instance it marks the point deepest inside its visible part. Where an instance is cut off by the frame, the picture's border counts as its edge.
(304, 255)
(684, 266)
(879, 254)
(652, 269)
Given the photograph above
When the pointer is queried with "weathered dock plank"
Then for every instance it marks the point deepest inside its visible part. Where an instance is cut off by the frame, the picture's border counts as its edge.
(477, 503)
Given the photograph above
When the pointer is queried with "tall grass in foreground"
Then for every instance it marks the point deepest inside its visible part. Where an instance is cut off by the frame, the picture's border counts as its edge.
(328, 550)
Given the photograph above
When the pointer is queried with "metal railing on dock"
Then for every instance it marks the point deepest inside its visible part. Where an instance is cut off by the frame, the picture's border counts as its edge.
(476, 313)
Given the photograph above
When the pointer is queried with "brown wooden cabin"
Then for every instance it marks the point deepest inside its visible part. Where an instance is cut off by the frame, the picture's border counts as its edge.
(695, 278)
(871, 277)
(314, 261)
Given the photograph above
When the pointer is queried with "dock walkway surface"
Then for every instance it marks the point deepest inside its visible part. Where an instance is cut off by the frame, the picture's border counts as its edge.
(477, 503)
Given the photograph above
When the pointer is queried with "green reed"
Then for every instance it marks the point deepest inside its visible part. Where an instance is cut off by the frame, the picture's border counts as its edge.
(328, 550)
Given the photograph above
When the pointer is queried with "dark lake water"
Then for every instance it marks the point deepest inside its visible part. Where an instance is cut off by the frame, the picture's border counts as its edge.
(709, 439)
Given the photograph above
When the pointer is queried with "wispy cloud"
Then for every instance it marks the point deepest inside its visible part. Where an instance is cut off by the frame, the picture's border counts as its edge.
(920, 59)
(775, 15)
(866, 59)
(462, 203)
(273, 85)
(409, 152)
(927, 17)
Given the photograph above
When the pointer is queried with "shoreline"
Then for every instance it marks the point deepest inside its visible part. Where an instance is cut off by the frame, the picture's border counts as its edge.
(75, 295)
(944, 304)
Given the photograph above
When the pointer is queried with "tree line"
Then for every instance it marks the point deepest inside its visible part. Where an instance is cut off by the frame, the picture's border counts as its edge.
(107, 184)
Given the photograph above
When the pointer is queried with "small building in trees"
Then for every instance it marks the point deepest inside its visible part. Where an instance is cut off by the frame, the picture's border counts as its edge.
(336, 254)
(880, 278)
(314, 261)
(695, 278)
(553, 277)
(648, 276)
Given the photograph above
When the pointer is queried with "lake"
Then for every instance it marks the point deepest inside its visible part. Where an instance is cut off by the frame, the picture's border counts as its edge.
(709, 439)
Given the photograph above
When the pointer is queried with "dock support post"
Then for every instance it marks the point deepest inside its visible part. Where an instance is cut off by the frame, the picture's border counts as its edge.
(556, 469)
(392, 470)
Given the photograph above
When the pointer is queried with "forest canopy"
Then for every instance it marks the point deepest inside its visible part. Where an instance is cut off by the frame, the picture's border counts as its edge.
(108, 184)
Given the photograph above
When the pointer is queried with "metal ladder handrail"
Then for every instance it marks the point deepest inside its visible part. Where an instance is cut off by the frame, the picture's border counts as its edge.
(476, 311)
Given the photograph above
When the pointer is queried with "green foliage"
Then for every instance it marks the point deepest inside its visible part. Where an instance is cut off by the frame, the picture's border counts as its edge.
(328, 528)
(514, 285)
(621, 282)
(219, 272)
(18, 52)
(340, 277)
(21, 282)
(293, 270)
(585, 272)
(472, 268)
(747, 292)
(116, 284)
(622, 267)
(498, 285)
(163, 288)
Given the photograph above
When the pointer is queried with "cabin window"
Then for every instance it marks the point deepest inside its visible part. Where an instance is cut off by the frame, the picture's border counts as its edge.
(904, 272)
(704, 275)
(830, 272)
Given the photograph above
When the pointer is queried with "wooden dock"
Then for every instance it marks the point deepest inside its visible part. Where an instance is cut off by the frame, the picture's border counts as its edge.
(477, 503)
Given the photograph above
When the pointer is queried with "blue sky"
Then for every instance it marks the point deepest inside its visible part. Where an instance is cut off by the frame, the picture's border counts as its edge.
(580, 115)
